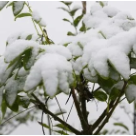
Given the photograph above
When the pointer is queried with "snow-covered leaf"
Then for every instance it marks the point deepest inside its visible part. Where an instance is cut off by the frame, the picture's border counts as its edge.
(11, 90)
(17, 7)
(54, 75)
(3, 4)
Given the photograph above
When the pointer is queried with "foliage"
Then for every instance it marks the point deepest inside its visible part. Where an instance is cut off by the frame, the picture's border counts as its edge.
(34, 69)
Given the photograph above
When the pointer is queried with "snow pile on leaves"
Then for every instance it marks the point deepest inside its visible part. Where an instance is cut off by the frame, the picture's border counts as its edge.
(108, 42)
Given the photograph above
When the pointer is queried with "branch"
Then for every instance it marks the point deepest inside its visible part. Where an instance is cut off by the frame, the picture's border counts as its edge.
(102, 116)
(84, 7)
(46, 111)
(112, 110)
(80, 115)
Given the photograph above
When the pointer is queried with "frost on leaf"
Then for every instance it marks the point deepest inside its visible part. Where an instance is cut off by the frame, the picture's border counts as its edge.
(11, 91)
(131, 93)
(17, 7)
(3, 4)
(55, 72)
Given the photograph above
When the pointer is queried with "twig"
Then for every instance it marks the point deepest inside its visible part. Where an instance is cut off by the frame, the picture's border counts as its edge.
(60, 109)
(83, 122)
(112, 110)
(46, 111)
(70, 111)
(30, 108)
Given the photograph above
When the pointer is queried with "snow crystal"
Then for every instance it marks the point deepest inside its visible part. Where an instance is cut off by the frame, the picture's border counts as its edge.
(54, 69)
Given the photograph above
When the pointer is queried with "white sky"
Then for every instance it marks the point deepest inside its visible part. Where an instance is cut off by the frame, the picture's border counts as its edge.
(57, 30)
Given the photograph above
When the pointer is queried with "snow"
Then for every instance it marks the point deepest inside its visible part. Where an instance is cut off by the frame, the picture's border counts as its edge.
(36, 17)
(17, 48)
(59, 49)
(18, 5)
(2, 4)
(54, 75)
(131, 92)
(22, 72)
(102, 51)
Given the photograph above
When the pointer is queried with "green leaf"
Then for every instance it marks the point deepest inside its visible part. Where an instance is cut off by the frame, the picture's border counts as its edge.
(3, 109)
(104, 132)
(17, 7)
(121, 125)
(114, 93)
(83, 28)
(64, 19)
(77, 20)
(1, 94)
(102, 34)
(72, 12)
(70, 34)
(60, 113)
(132, 79)
(11, 90)
(10, 4)
(106, 84)
(101, 3)
(130, 92)
(100, 95)
(22, 15)
(26, 58)
(64, 9)
(133, 62)
(62, 127)
(3, 4)
(44, 125)
(24, 101)
(114, 74)
(29, 37)
(67, 3)
(61, 132)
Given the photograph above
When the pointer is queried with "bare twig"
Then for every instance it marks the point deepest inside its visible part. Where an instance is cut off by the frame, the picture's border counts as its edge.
(46, 111)
(30, 108)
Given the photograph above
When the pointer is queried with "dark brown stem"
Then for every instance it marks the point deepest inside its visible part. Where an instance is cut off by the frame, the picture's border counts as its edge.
(46, 111)
(84, 7)
(80, 114)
